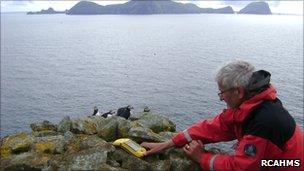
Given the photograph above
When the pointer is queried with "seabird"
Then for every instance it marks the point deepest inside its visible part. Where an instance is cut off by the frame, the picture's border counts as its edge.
(146, 109)
(96, 112)
(109, 114)
(124, 112)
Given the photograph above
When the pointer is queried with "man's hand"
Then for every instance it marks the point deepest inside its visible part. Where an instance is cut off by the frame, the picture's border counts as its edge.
(156, 147)
(194, 150)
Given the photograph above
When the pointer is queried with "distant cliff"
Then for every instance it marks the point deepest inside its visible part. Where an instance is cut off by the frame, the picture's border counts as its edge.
(256, 8)
(143, 7)
(48, 11)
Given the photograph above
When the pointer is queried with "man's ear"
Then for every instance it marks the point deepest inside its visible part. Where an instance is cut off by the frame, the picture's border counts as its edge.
(241, 92)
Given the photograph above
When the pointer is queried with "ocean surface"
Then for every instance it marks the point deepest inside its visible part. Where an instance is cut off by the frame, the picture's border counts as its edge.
(58, 65)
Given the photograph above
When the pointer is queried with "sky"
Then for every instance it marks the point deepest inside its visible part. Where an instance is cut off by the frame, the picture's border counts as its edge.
(276, 6)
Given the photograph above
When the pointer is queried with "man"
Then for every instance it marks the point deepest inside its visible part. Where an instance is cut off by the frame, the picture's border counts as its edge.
(254, 116)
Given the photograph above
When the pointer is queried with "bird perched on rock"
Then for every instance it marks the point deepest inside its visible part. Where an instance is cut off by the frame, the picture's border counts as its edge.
(96, 112)
(146, 109)
(109, 114)
(124, 112)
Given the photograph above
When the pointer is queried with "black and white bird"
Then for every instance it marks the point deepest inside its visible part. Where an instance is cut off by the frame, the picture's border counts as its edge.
(96, 112)
(124, 112)
(109, 114)
(146, 109)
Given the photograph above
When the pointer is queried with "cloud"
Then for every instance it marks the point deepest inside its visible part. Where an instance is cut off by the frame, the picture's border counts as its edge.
(32, 5)
(286, 7)
(289, 7)
(15, 6)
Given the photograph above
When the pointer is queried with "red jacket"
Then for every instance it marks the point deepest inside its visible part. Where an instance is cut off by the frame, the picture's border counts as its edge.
(263, 128)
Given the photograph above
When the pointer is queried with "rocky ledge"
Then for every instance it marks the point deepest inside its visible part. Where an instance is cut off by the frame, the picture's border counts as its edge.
(86, 144)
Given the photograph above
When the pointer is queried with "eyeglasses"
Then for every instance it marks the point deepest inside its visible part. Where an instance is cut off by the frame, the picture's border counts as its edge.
(224, 91)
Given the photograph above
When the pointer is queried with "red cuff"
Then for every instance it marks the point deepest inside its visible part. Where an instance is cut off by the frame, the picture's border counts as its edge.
(179, 140)
(205, 159)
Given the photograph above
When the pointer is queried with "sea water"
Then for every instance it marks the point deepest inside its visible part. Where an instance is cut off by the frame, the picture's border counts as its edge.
(58, 65)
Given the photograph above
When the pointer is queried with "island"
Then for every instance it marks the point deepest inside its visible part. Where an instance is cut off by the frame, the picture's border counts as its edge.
(256, 8)
(143, 7)
(48, 11)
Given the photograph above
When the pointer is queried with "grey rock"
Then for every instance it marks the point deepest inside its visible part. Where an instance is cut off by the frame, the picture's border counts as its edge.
(141, 134)
(109, 131)
(184, 164)
(49, 145)
(84, 126)
(90, 159)
(68, 136)
(31, 161)
(113, 128)
(64, 125)
(161, 165)
(113, 163)
(16, 143)
(123, 127)
(107, 167)
(179, 160)
(155, 122)
(128, 161)
(43, 126)
(99, 121)
(81, 142)
(44, 133)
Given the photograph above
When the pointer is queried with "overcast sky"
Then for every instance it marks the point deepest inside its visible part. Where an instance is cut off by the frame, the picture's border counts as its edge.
(287, 7)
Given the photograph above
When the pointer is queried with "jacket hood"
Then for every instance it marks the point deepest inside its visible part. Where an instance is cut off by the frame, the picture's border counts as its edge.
(260, 87)
(258, 82)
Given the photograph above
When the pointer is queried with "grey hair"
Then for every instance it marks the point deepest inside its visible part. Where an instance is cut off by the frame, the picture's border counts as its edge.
(235, 74)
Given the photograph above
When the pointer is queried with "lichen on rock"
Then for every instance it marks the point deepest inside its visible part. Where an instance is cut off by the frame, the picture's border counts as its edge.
(43, 126)
(45, 147)
(15, 144)
(155, 122)
(84, 126)
(64, 125)
(86, 144)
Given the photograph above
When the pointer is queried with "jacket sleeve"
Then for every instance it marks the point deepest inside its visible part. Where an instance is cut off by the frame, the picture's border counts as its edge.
(220, 128)
(248, 156)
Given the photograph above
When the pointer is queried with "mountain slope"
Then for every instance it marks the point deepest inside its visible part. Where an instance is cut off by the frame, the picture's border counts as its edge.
(256, 8)
(143, 7)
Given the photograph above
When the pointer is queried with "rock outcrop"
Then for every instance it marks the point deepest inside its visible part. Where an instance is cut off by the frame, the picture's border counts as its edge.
(86, 144)
(256, 8)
